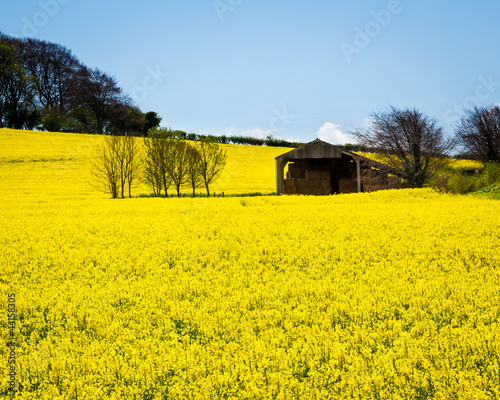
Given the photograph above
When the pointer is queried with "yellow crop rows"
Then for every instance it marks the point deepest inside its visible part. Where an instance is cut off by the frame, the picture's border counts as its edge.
(383, 295)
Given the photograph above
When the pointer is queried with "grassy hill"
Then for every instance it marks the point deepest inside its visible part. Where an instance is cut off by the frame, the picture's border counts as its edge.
(55, 165)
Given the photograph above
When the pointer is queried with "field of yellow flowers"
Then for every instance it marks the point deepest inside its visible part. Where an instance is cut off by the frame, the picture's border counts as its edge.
(453, 163)
(58, 165)
(383, 295)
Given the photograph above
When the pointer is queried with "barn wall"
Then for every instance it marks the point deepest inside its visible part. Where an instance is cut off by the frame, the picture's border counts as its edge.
(318, 168)
(373, 181)
(321, 176)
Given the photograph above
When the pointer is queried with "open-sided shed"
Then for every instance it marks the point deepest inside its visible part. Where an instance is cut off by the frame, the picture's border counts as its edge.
(319, 168)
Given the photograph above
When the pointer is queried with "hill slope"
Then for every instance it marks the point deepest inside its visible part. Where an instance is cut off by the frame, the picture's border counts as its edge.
(58, 165)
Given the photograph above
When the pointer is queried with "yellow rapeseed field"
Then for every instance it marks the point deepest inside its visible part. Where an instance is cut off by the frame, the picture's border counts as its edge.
(58, 165)
(383, 295)
(454, 163)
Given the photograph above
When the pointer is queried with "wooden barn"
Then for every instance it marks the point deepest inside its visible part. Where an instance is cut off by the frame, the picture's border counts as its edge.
(319, 168)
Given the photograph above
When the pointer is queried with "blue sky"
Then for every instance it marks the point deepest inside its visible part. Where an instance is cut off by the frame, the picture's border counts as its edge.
(295, 70)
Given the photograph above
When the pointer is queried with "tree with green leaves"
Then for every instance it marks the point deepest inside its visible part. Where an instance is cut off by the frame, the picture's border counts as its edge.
(98, 92)
(16, 89)
(152, 121)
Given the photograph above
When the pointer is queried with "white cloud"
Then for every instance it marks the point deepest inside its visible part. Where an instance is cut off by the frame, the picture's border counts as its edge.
(231, 131)
(332, 134)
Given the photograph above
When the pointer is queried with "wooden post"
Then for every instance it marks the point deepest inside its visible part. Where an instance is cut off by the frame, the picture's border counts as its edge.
(358, 168)
(280, 169)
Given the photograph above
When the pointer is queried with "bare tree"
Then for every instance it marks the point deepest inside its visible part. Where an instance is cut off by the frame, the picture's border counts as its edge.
(116, 165)
(157, 153)
(194, 177)
(479, 133)
(133, 162)
(412, 144)
(171, 160)
(212, 162)
(178, 161)
(105, 167)
(152, 172)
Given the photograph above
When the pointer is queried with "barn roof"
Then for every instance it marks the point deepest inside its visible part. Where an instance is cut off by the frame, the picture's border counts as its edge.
(314, 149)
(321, 149)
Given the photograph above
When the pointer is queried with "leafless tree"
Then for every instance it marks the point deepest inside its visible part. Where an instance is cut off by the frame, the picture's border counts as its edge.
(479, 133)
(194, 177)
(105, 168)
(171, 160)
(212, 162)
(133, 162)
(157, 153)
(412, 144)
(152, 174)
(116, 165)
(178, 161)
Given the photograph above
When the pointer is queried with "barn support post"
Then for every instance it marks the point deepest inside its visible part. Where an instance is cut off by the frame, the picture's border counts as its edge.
(358, 172)
(280, 172)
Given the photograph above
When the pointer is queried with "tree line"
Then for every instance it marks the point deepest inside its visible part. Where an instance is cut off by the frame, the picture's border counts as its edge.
(270, 140)
(44, 86)
(166, 160)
